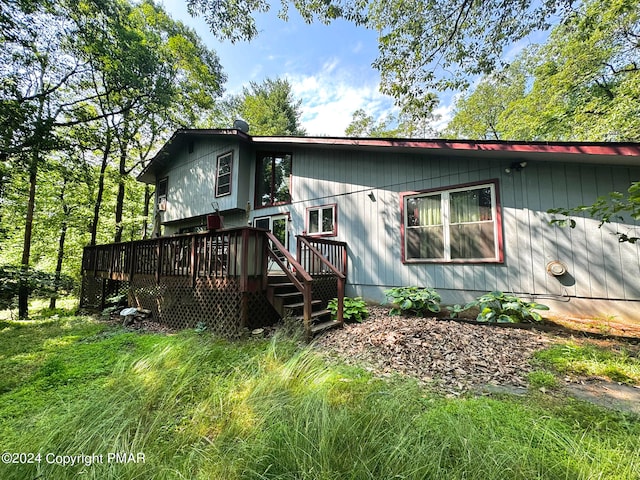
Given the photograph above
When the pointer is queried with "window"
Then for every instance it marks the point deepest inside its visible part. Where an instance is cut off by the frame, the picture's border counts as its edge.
(273, 175)
(455, 225)
(223, 174)
(161, 194)
(322, 220)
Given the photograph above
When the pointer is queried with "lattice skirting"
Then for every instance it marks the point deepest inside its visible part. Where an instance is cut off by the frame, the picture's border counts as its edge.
(216, 303)
(325, 287)
(95, 291)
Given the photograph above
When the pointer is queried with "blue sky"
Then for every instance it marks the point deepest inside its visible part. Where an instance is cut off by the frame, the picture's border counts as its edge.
(328, 66)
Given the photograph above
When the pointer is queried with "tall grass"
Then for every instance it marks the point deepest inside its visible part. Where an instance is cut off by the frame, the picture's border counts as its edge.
(200, 408)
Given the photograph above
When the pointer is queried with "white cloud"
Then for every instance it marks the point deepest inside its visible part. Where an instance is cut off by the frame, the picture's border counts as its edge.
(330, 97)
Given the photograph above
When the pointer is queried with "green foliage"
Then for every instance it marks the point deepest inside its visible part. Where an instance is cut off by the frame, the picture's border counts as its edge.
(415, 300)
(613, 207)
(582, 84)
(38, 283)
(621, 365)
(355, 309)
(268, 107)
(499, 307)
(484, 113)
(423, 44)
(198, 407)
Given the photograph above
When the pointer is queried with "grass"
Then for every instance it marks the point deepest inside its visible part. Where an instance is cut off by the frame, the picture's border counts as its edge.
(620, 365)
(201, 408)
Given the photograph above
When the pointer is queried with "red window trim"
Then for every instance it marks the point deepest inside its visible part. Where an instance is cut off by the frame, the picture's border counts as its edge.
(499, 239)
(217, 195)
(334, 232)
(256, 200)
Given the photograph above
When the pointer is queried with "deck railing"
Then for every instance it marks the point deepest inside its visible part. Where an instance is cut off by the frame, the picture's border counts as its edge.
(296, 274)
(239, 252)
(320, 256)
(323, 257)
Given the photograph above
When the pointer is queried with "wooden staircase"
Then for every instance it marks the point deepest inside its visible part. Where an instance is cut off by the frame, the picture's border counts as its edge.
(288, 301)
(291, 289)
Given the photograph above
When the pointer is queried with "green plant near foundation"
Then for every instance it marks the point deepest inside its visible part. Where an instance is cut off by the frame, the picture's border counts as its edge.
(355, 309)
(415, 300)
(499, 307)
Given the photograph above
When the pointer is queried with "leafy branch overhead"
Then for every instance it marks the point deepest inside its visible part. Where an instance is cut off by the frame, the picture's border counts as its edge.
(435, 49)
(610, 208)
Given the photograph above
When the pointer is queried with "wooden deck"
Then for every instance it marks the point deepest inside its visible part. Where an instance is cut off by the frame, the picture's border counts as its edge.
(220, 278)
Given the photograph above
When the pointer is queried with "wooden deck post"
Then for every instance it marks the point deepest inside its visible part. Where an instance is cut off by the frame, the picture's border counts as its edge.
(194, 267)
(244, 261)
(159, 266)
(132, 260)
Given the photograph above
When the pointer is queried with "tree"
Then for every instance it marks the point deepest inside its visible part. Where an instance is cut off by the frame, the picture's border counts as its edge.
(585, 79)
(582, 84)
(406, 124)
(70, 64)
(485, 112)
(268, 107)
(363, 125)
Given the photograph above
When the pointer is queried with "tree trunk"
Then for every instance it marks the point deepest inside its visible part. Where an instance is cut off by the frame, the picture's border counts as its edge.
(119, 209)
(96, 208)
(63, 234)
(23, 288)
(122, 174)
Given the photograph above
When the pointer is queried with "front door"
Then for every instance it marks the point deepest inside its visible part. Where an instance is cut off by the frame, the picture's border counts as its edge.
(276, 224)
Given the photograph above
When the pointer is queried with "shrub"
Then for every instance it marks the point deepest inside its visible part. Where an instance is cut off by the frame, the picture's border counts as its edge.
(355, 309)
(416, 300)
(498, 307)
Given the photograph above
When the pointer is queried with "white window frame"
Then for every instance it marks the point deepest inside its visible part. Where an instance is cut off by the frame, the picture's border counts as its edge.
(446, 223)
(333, 208)
(161, 198)
(219, 175)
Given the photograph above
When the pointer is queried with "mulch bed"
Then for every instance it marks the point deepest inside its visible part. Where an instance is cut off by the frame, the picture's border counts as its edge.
(451, 355)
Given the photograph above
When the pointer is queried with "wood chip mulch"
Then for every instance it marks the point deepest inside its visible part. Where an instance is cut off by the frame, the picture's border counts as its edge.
(448, 355)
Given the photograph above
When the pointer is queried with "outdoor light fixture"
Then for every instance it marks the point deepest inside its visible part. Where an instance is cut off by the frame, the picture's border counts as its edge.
(371, 196)
(516, 166)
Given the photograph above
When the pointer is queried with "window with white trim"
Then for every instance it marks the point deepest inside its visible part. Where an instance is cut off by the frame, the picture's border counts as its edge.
(456, 224)
(161, 194)
(321, 220)
(223, 174)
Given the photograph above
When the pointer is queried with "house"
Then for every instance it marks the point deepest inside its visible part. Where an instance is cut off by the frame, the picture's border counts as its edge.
(464, 217)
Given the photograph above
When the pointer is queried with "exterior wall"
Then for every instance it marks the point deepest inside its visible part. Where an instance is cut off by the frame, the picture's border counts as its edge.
(598, 266)
(192, 178)
(602, 277)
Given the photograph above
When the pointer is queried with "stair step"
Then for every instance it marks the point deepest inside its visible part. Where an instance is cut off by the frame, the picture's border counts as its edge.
(314, 315)
(281, 285)
(288, 294)
(301, 304)
(319, 327)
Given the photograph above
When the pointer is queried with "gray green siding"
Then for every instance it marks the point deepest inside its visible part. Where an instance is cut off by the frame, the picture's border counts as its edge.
(598, 266)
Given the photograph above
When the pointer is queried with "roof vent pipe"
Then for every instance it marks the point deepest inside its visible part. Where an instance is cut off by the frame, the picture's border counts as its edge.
(241, 125)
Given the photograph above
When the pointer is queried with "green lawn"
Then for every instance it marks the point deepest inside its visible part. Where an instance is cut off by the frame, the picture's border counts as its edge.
(124, 405)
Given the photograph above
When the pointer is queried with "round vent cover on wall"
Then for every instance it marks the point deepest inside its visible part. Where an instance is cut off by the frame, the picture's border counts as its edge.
(556, 268)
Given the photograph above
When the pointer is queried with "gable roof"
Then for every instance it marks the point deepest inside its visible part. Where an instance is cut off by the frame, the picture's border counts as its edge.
(609, 153)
